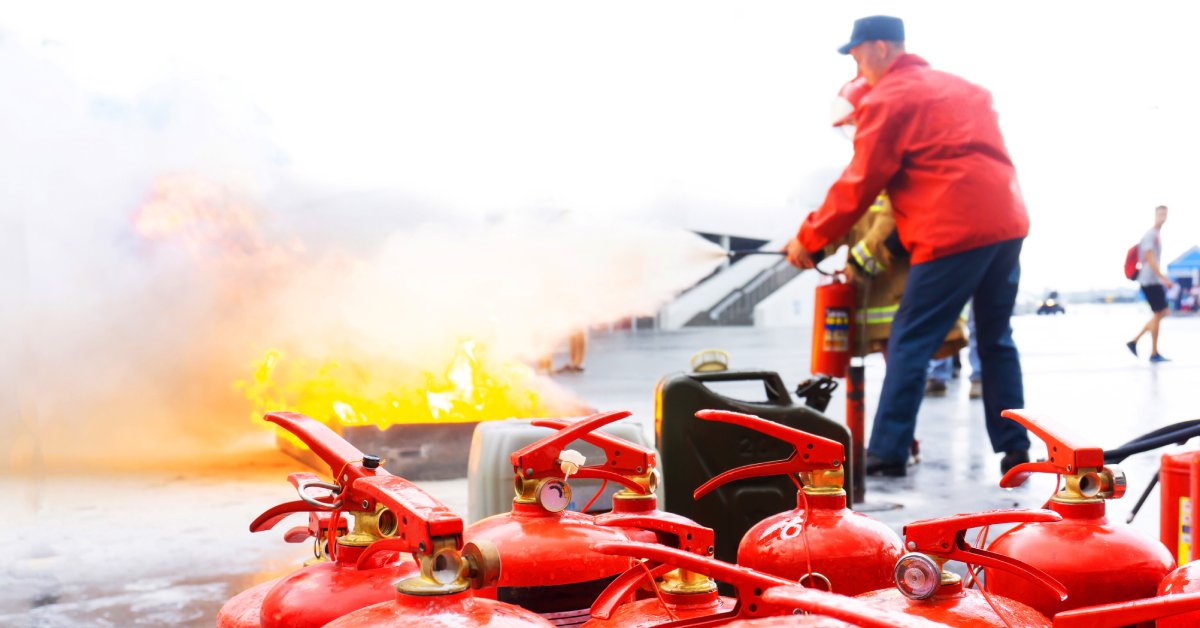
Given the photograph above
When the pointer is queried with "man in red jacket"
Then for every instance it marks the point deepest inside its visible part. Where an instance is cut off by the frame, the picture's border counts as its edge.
(933, 141)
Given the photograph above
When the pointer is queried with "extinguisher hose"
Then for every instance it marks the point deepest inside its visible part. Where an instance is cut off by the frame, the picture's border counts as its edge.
(1177, 433)
(1142, 499)
(657, 592)
(804, 530)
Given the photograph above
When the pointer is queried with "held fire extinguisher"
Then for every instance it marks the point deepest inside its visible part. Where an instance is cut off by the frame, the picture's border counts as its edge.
(549, 567)
(1100, 563)
(925, 589)
(821, 543)
(327, 589)
(833, 327)
(751, 588)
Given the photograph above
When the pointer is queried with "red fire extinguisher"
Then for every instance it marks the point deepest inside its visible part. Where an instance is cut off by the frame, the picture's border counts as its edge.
(923, 588)
(833, 327)
(1100, 563)
(821, 543)
(549, 567)
(244, 610)
(751, 588)
(327, 589)
(440, 593)
(1183, 581)
(1180, 477)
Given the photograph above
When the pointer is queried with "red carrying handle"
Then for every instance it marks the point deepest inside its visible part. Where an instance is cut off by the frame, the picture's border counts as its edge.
(810, 452)
(858, 612)
(1064, 457)
(419, 517)
(691, 537)
(540, 459)
(946, 537)
(660, 559)
(620, 455)
(1129, 613)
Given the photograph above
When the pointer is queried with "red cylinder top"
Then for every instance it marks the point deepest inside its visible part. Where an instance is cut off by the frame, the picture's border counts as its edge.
(441, 611)
(953, 606)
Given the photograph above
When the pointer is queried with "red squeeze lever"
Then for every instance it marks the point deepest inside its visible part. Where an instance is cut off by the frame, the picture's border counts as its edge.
(751, 587)
(945, 537)
(1065, 457)
(621, 456)
(541, 459)
(810, 453)
(1129, 613)
(362, 484)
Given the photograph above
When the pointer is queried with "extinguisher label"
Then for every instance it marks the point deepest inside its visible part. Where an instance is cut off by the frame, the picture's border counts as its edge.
(1185, 530)
(569, 618)
(788, 529)
(837, 329)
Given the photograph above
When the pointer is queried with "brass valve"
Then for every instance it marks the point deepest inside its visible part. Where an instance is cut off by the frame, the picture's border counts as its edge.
(370, 527)
(1091, 485)
(824, 481)
(684, 582)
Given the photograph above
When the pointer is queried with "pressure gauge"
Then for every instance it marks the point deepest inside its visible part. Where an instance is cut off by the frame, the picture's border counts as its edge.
(554, 495)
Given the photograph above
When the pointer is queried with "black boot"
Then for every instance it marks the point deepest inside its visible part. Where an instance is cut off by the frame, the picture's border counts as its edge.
(1012, 459)
(878, 467)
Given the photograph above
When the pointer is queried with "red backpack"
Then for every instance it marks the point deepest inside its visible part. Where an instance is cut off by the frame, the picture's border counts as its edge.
(1132, 262)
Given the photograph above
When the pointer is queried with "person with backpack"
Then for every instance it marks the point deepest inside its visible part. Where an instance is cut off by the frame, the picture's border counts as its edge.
(1153, 282)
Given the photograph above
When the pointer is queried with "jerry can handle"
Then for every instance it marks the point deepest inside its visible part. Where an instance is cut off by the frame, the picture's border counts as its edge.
(773, 384)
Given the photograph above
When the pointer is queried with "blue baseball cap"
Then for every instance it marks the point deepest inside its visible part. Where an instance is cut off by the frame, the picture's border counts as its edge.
(874, 28)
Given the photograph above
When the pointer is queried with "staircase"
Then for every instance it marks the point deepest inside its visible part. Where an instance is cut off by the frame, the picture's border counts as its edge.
(738, 307)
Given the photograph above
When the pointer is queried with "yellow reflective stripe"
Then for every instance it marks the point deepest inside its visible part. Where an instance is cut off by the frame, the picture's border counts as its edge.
(880, 315)
(865, 260)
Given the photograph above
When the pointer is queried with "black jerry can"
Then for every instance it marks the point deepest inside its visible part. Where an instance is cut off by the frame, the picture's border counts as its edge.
(692, 451)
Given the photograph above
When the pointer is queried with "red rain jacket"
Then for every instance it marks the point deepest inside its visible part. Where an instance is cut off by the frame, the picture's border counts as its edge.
(932, 140)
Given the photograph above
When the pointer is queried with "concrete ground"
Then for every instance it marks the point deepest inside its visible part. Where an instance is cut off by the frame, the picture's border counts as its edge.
(170, 547)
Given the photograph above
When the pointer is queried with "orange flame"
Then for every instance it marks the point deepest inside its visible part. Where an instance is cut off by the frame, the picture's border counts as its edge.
(468, 387)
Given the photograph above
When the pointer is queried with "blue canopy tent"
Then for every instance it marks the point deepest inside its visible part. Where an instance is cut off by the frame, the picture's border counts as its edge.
(1185, 271)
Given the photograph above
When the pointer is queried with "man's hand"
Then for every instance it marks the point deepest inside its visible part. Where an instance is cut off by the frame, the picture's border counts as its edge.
(797, 256)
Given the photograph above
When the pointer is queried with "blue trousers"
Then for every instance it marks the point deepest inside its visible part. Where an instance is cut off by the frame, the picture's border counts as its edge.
(934, 297)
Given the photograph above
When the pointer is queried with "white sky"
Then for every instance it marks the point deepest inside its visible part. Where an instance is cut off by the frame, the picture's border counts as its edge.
(710, 115)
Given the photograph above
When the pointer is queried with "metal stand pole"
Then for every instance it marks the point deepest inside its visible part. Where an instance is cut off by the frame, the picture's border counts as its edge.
(855, 420)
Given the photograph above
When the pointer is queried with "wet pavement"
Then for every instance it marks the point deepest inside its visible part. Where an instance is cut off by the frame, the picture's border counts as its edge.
(169, 547)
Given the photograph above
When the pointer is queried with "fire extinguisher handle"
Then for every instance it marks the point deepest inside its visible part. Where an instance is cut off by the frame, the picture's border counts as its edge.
(946, 537)
(1063, 456)
(861, 613)
(541, 458)
(748, 583)
(776, 391)
(692, 537)
(1129, 613)
(810, 452)
(620, 455)
(338, 454)
(275, 514)
(622, 588)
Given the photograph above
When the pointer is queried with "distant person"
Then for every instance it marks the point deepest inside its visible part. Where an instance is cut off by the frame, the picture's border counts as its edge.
(933, 141)
(1154, 284)
(576, 348)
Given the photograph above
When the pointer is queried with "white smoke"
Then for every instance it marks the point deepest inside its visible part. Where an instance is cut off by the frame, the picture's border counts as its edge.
(122, 349)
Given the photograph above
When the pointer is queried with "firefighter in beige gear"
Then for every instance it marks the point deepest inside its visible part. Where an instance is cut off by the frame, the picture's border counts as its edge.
(877, 262)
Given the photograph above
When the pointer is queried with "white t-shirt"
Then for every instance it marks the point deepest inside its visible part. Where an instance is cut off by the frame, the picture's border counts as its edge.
(1150, 242)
